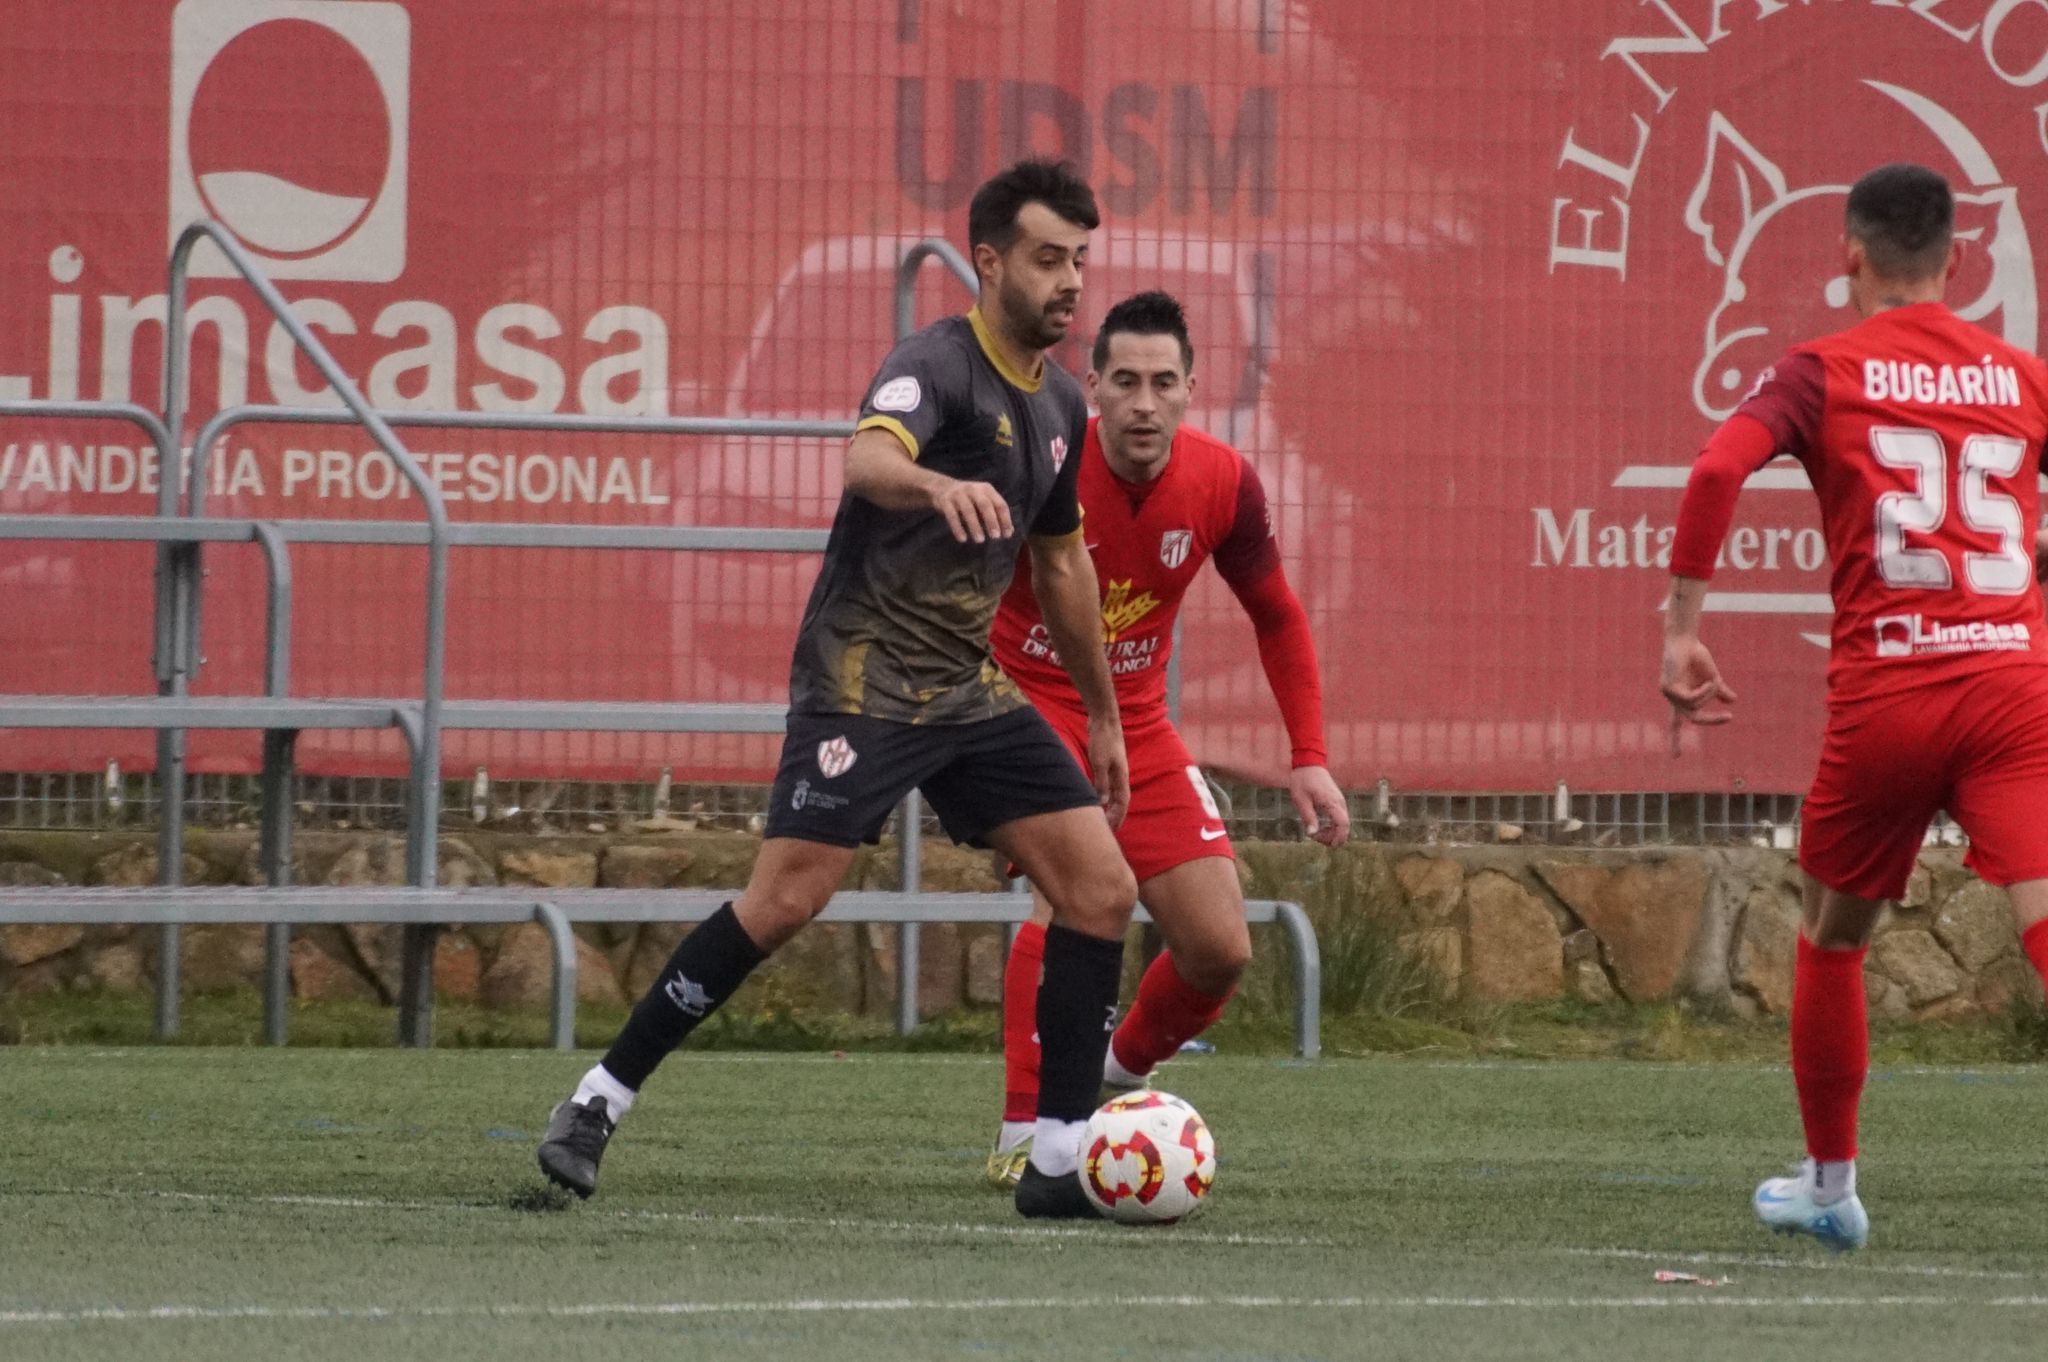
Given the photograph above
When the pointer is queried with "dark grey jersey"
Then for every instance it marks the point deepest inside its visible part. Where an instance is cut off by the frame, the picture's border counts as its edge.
(897, 625)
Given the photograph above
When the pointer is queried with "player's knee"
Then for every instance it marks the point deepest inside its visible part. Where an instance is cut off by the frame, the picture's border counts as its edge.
(1098, 899)
(1215, 967)
(773, 913)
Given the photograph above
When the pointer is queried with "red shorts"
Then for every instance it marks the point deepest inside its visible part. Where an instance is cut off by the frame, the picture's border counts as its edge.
(1173, 817)
(1978, 748)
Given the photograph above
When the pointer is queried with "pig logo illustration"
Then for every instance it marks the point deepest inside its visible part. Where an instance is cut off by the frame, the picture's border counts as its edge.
(1769, 239)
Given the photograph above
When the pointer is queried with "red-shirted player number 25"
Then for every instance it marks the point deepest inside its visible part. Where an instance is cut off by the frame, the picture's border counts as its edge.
(2006, 571)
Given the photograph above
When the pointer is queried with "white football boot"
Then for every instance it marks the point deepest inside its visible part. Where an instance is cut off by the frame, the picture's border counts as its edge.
(1787, 1206)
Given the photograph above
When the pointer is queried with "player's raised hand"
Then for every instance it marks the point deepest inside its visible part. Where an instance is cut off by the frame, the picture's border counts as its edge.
(1692, 683)
(973, 510)
(1325, 816)
(1112, 770)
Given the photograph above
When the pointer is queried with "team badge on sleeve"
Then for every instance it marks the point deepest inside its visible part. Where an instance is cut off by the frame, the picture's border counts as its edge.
(898, 394)
(836, 757)
(1174, 546)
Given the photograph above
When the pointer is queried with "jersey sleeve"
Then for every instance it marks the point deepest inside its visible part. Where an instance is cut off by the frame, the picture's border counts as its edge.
(1248, 551)
(916, 389)
(1788, 401)
(1287, 651)
(1061, 514)
(1781, 415)
(1740, 447)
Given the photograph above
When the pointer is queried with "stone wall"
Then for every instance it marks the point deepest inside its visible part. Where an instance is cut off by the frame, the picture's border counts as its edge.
(1486, 924)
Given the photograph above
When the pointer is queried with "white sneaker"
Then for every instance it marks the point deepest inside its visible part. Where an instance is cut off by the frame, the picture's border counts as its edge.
(1786, 1206)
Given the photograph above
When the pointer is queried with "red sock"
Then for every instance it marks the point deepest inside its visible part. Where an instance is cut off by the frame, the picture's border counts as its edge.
(1020, 1024)
(1830, 1047)
(2035, 942)
(1169, 1012)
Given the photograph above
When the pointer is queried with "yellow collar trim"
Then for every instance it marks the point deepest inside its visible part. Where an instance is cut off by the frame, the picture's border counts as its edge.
(995, 356)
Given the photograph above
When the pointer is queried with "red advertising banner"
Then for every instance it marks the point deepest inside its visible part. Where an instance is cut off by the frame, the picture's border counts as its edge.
(1470, 284)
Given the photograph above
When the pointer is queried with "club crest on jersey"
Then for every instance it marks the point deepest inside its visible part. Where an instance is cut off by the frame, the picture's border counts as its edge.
(1174, 546)
(836, 757)
(1059, 452)
(1004, 437)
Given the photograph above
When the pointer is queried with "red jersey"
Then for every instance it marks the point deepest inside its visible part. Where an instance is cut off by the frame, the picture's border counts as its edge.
(1922, 437)
(1148, 541)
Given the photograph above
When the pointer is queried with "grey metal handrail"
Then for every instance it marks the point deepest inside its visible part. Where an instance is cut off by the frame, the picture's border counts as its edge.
(421, 860)
(178, 597)
(166, 640)
(931, 248)
(911, 820)
(567, 424)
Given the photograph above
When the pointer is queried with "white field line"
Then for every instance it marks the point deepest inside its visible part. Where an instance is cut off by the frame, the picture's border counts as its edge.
(1660, 1066)
(1678, 1300)
(855, 1224)
(214, 1054)
(1855, 1267)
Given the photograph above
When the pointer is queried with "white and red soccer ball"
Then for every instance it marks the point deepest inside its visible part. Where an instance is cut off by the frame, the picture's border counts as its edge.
(1147, 1158)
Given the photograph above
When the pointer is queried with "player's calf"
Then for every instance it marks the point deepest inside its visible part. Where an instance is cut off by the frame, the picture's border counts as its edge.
(708, 967)
(1169, 1012)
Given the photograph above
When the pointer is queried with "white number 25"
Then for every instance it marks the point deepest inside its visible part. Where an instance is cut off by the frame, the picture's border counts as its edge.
(2006, 570)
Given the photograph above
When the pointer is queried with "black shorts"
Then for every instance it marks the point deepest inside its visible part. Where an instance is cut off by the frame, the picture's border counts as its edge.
(842, 775)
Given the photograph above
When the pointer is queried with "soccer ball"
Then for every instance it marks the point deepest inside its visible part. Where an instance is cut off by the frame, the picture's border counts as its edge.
(1147, 1158)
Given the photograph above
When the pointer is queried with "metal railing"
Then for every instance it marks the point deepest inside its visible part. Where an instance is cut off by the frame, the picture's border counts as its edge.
(177, 655)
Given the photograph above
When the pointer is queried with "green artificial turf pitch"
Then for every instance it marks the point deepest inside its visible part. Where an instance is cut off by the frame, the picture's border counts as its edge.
(245, 1204)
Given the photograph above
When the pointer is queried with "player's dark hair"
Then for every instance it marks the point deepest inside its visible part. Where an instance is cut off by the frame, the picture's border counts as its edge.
(1905, 216)
(992, 214)
(1151, 313)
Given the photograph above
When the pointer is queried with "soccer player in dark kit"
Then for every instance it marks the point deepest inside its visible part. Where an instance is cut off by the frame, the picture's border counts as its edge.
(967, 437)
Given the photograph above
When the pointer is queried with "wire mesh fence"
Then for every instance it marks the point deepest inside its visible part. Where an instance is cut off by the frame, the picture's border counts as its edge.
(114, 799)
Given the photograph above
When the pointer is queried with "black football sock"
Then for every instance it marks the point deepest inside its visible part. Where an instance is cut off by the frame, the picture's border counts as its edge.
(708, 967)
(1076, 1011)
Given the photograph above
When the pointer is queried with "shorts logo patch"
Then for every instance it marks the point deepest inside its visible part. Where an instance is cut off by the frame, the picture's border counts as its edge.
(898, 394)
(1174, 546)
(801, 793)
(836, 757)
(1059, 452)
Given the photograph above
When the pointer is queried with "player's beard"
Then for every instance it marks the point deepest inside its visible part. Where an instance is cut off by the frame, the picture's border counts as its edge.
(1029, 322)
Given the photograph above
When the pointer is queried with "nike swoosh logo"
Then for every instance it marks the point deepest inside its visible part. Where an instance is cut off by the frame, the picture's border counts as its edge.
(1771, 1199)
(1091, 547)
(1211, 834)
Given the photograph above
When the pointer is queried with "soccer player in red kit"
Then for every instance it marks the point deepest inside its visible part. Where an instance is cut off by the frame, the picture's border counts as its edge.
(1159, 499)
(1922, 437)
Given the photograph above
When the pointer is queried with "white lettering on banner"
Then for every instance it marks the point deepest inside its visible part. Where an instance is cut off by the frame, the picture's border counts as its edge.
(2015, 52)
(1576, 540)
(57, 468)
(519, 357)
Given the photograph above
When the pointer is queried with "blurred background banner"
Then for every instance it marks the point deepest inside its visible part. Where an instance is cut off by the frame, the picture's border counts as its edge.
(1471, 282)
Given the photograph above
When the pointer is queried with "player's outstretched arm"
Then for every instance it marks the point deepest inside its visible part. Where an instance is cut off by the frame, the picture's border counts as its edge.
(1070, 601)
(879, 469)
